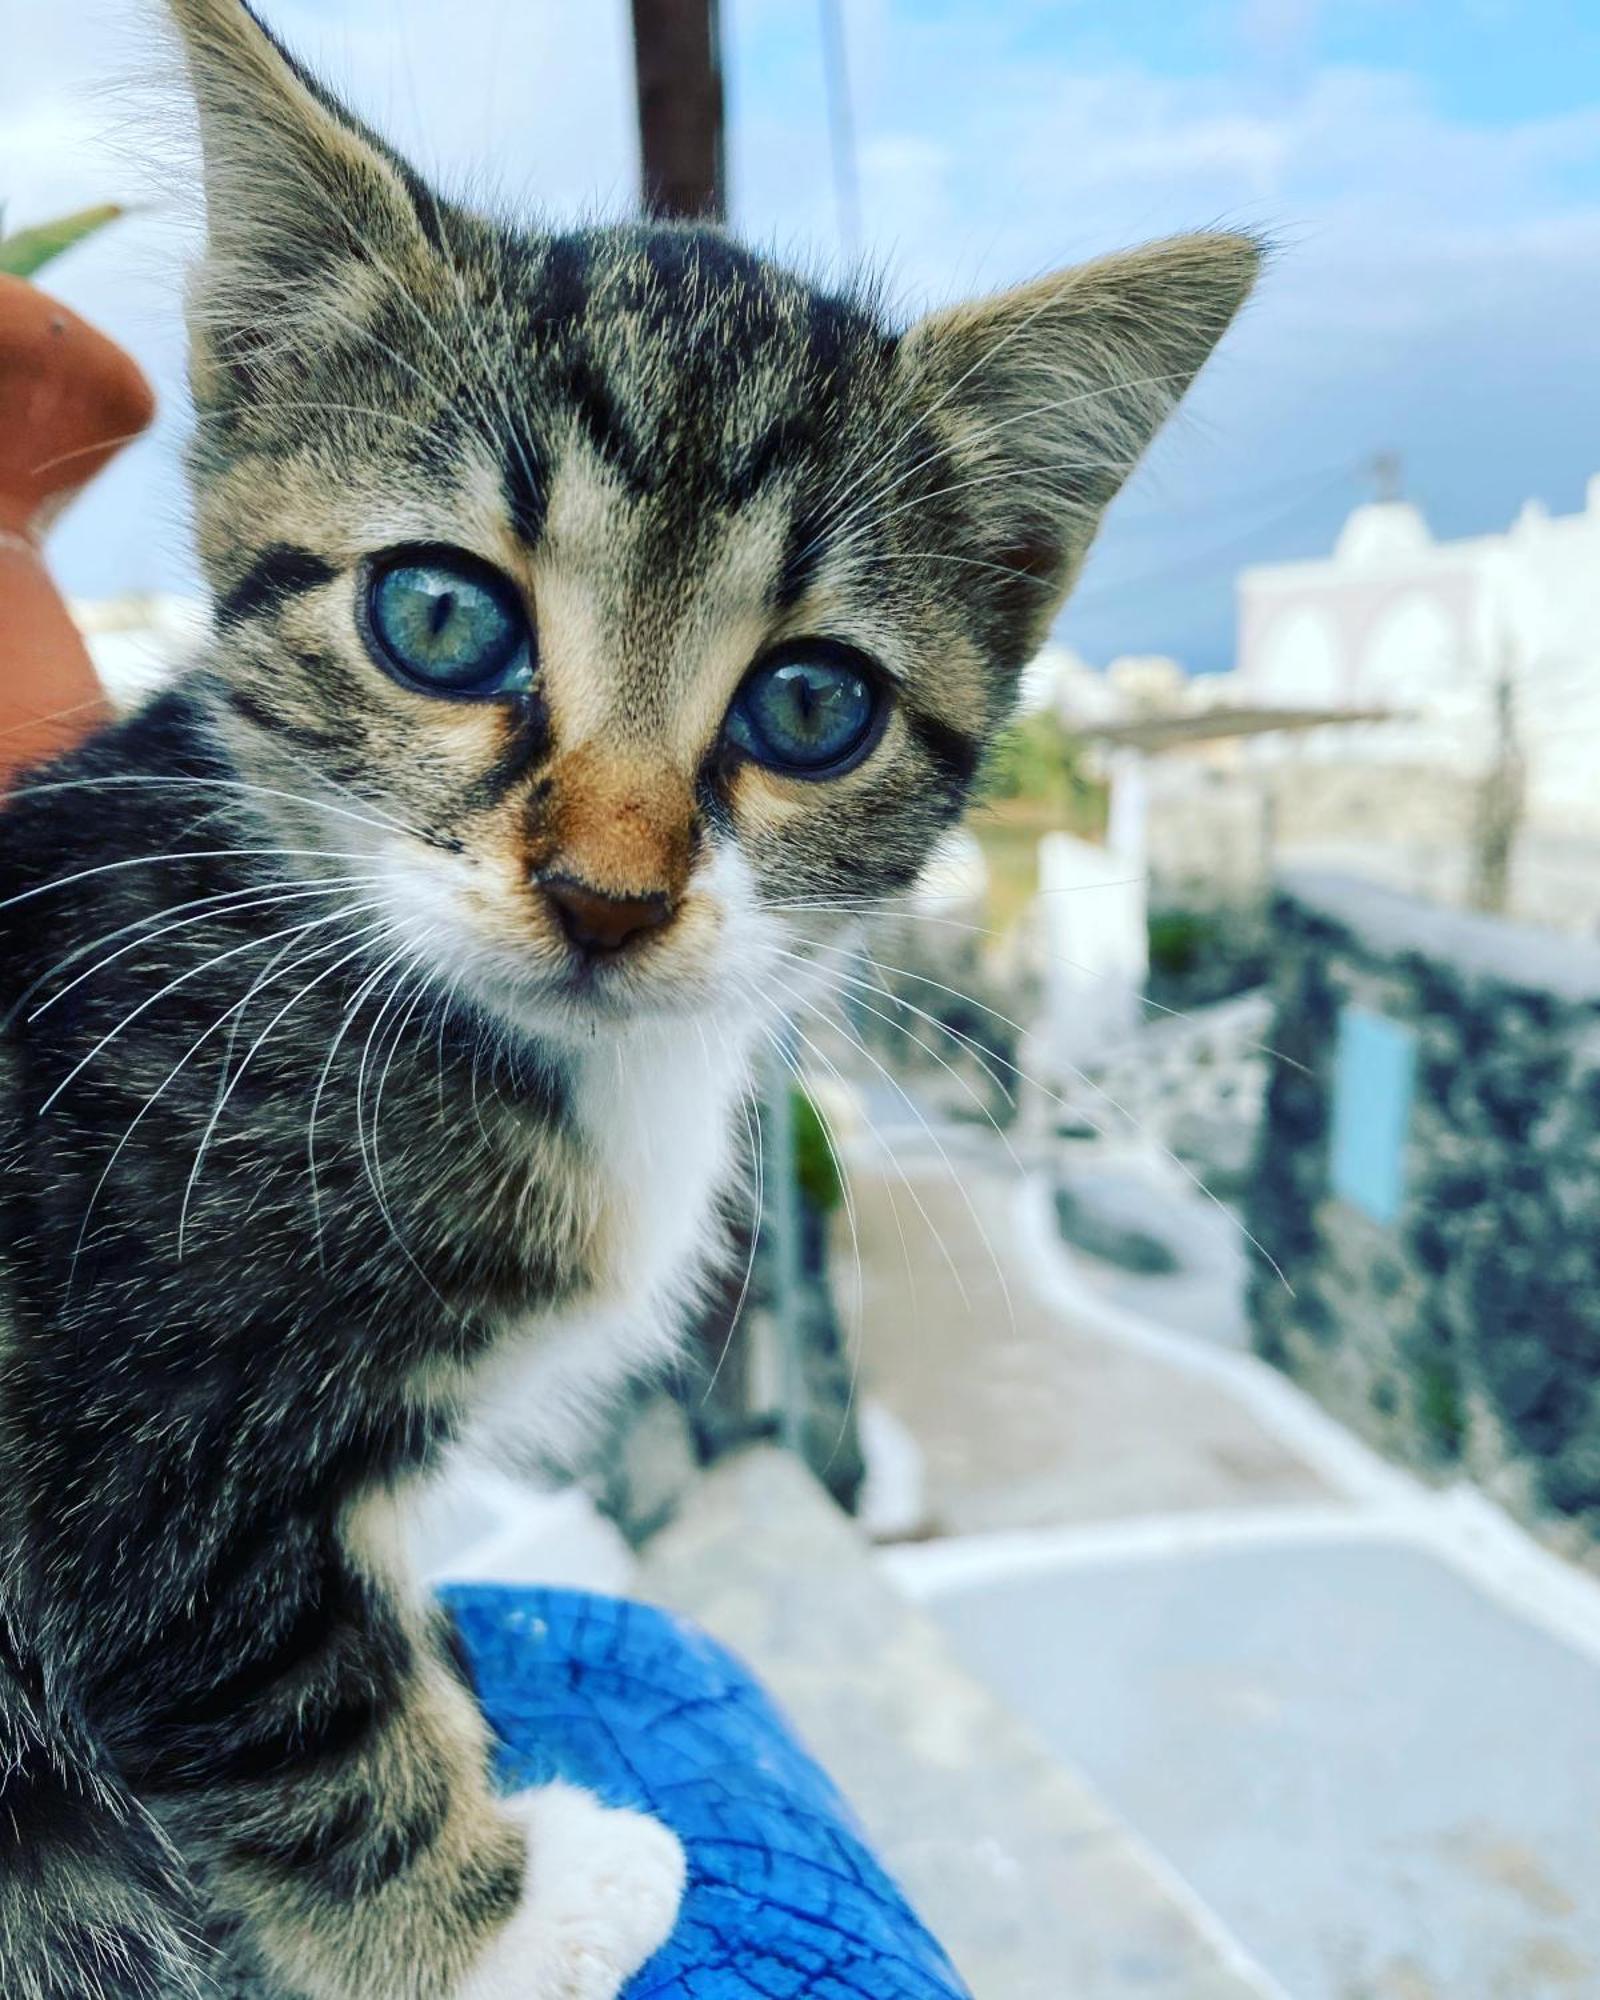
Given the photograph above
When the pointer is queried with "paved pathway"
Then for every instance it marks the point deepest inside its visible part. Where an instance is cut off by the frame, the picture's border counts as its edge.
(1022, 1423)
(1362, 1721)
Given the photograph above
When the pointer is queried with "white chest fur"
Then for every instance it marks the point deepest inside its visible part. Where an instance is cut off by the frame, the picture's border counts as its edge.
(658, 1118)
(658, 1114)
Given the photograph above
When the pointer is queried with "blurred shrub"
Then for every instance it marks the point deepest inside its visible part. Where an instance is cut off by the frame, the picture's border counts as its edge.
(1201, 955)
(1178, 940)
(1041, 761)
(815, 1167)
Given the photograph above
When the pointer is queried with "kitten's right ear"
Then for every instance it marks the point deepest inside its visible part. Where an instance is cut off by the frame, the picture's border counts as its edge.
(1046, 396)
(298, 190)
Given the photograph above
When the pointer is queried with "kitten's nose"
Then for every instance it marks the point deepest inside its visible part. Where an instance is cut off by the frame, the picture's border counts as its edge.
(597, 922)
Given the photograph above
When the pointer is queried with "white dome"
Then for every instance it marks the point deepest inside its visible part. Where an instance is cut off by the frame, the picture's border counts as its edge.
(1382, 531)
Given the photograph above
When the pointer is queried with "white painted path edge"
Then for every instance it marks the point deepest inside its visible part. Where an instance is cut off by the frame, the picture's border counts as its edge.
(1380, 1502)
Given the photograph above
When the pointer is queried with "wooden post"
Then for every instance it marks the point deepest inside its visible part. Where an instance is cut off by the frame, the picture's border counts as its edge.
(678, 71)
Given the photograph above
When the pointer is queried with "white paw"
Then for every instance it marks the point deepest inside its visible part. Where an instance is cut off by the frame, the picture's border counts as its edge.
(602, 1896)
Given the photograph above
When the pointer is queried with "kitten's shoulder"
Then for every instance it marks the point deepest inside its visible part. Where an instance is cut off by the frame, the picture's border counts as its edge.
(106, 782)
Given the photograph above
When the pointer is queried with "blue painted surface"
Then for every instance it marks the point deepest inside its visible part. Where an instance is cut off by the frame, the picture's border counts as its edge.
(785, 1899)
(1375, 1068)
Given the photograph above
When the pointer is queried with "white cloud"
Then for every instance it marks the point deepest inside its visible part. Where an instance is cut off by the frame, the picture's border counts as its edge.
(1428, 293)
(529, 99)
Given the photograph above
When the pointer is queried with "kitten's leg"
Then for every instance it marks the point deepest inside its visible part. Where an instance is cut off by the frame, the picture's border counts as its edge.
(345, 1814)
(94, 1905)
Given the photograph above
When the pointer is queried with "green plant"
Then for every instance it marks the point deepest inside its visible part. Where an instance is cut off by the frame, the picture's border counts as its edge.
(1197, 956)
(29, 250)
(815, 1167)
(1179, 939)
(1441, 1409)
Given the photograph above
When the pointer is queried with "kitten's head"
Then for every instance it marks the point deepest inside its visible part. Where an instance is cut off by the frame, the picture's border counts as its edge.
(634, 588)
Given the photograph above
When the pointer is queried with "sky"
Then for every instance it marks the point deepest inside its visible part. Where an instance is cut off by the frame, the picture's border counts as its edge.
(1428, 169)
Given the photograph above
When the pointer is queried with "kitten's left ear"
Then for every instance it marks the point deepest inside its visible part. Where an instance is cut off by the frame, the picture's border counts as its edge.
(1046, 397)
(298, 190)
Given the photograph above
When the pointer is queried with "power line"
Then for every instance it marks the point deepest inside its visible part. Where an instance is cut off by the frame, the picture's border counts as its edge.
(841, 128)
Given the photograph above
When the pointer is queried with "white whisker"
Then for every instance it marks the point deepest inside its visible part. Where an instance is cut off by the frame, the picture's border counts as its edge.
(172, 985)
(364, 938)
(1188, 1172)
(373, 816)
(350, 1013)
(188, 854)
(234, 902)
(153, 1098)
(927, 1048)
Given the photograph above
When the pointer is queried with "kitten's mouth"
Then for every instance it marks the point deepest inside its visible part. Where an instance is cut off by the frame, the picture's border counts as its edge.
(585, 991)
(618, 988)
(611, 981)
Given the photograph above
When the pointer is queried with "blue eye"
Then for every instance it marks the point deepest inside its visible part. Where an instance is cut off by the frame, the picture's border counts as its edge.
(448, 623)
(813, 710)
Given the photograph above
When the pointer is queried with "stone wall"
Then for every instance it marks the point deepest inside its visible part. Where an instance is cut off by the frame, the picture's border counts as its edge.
(1445, 1301)
(1219, 825)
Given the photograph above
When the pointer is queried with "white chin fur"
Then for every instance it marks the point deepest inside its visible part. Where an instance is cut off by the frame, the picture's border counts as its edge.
(601, 1897)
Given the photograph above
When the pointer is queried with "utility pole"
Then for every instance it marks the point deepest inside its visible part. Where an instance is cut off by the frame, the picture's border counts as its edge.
(1498, 811)
(678, 71)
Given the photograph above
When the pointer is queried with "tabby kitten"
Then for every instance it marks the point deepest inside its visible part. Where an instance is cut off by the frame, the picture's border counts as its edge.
(378, 1000)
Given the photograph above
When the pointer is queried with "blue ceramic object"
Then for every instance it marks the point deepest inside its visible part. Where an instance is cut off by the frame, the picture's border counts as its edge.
(785, 1900)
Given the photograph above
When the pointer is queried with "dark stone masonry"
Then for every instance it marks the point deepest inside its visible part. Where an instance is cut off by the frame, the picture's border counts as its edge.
(1429, 1185)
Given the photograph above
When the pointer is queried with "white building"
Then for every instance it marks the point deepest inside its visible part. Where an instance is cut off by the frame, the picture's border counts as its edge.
(1395, 619)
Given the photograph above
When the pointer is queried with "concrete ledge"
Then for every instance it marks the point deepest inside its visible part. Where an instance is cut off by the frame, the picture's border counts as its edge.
(1525, 957)
(1037, 1892)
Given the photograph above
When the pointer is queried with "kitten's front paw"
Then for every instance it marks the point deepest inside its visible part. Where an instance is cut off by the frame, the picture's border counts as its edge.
(602, 1896)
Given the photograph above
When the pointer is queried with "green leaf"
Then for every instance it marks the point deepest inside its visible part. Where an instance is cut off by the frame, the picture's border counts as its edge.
(30, 249)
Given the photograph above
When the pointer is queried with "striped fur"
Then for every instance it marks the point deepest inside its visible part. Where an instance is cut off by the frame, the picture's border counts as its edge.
(313, 1134)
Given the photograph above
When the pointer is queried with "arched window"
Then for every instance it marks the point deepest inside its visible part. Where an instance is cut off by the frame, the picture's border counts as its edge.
(1302, 660)
(1413, 654)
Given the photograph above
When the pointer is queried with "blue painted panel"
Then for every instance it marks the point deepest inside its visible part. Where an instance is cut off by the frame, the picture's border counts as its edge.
(1375, 1070)
(786, 1901)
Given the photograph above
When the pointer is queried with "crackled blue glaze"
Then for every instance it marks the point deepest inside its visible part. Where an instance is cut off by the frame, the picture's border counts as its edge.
(785, 1900)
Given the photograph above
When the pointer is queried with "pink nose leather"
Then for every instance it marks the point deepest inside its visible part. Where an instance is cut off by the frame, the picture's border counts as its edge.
(598, 922)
